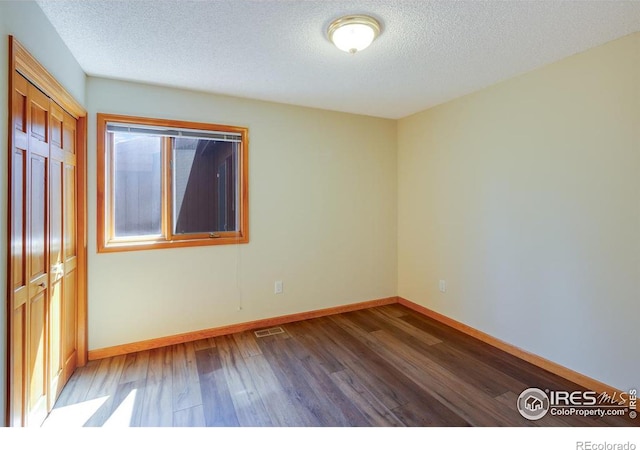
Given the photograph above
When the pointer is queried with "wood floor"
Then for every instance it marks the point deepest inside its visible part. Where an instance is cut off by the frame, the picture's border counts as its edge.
(380, 367)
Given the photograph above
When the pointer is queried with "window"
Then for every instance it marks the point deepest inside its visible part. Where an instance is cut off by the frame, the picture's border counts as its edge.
(165, 183)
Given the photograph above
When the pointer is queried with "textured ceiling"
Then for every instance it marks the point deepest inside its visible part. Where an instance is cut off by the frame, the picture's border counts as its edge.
(277, 50)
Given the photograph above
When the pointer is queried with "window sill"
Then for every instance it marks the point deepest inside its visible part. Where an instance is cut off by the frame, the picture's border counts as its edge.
(127, 246)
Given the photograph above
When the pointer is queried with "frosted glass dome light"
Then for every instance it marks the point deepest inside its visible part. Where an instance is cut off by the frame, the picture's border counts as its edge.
(353, 33)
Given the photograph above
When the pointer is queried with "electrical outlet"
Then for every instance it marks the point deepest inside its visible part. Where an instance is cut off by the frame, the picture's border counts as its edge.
(278, 287)
(443, 286)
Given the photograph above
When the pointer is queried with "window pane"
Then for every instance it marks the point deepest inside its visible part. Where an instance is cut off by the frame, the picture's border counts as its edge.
(137, 185)
(204, 185)
(167, 184)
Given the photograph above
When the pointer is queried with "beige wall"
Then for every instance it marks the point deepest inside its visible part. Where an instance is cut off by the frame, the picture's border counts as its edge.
(322, 219)
(28, 24)
(524, 197)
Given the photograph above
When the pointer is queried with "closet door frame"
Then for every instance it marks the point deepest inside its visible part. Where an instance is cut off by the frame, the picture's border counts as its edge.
(21, 61)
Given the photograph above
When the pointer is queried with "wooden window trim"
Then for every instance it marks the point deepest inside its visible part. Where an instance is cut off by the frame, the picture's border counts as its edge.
(105, 214)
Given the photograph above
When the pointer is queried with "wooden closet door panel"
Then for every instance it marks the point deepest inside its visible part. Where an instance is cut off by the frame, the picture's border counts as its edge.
(69, 257)
(70, 248)
(38, 128)
(20, 286)
(38, 291)
(56, 264)
(38, 134)
(19, 190)
(55, 340)
(37, 255)
(18, 366)
(37, 389)
(18, 225)
(70, 321)
(38, 218)
(18, 249)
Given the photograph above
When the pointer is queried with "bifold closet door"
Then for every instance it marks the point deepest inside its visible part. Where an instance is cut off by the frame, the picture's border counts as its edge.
(43, 257)
(62, 251)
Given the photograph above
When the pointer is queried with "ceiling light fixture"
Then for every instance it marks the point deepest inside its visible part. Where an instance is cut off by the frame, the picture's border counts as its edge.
(353, 33)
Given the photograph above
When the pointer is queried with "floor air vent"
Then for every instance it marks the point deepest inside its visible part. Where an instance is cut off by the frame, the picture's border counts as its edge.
(269, 332)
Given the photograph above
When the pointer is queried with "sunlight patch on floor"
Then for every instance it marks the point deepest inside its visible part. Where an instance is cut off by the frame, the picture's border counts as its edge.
(121, 417)
(75, 415)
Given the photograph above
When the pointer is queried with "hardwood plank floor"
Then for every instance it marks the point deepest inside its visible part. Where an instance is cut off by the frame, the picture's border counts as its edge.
(381, 367)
